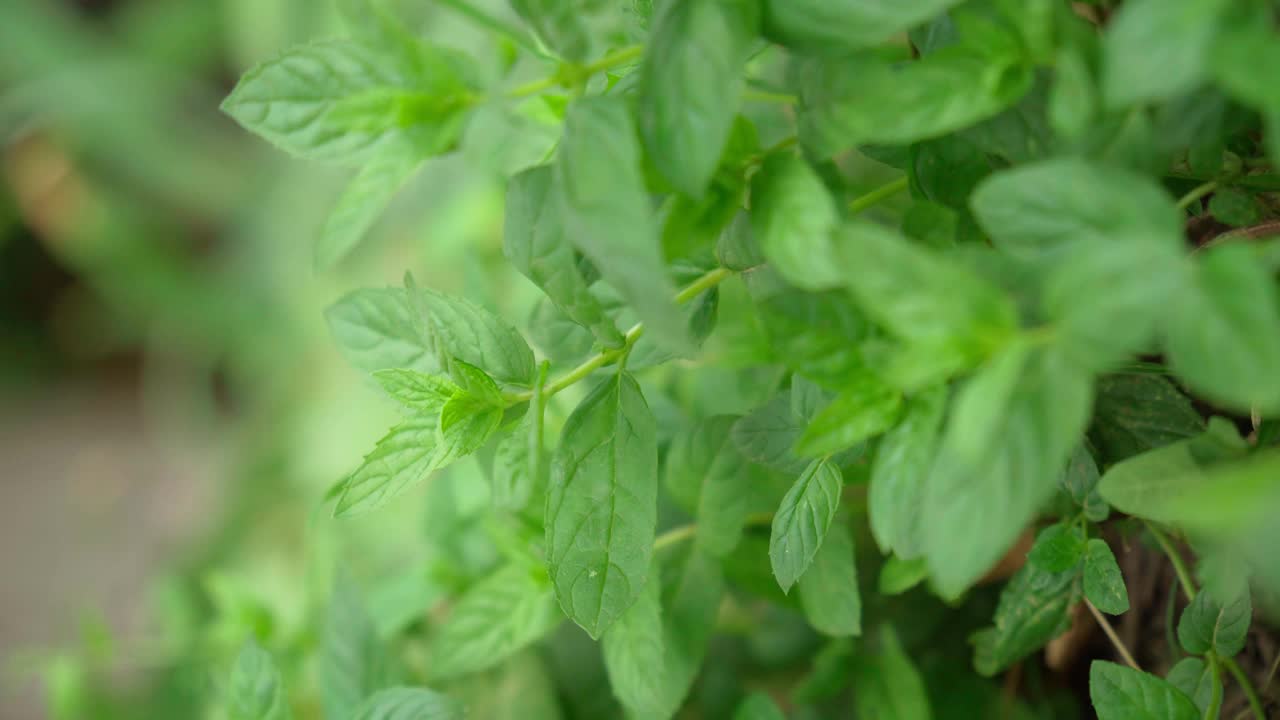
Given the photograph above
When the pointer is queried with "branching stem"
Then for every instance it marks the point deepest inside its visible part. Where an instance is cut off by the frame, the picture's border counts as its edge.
(609, 355)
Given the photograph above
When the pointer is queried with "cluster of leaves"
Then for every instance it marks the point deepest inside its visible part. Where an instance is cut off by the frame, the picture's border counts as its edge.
(939, 380)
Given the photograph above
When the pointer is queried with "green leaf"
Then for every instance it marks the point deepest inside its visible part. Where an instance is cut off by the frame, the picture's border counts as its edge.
(758, 706)
(886, 683)
(947, 169)
(385, 328)
(692, 590)
(1053, 205)
(737, 248)
(535, 243)
(767, 435)
(829, 588)
(1101, 285)
(1010, 433)
(864, 409)
(256, 690)
(1058, 548)
(634, 652)
(836, 26)
(691, 86)
(830, 674)
(496, 618)
(921, 297)
(1136, 413)
(413, 449)
(366, 197)
(1103, 583)
(1194, 679)
(416, 391)
(476, 385)
(1073, 103)
(1224, 338)
(1156, 49)
(602, 504)
(691, 227)
(898, 576)
(607, 216)
(655, 649)
(556, 335)
(1080, 480)
(931, 224)
(344, 102)
(559, 24)
(519, 464)
(1246, 42)
(1234, 207)
(353, 659)
(802, 521)
(405, 703)
(1121, 693)
(899, 471)
(1034, 608)
(1151, 484)
(792, 218)
(819, 335)
(859, 100)
(712, 480)
(1229, 501)
(520, 689)
(1208, 625)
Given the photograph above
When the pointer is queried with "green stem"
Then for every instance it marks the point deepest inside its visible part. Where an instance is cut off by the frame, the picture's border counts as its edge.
(702, 284)
(1215, 694)
(764, 96)
(1242, 680)
(1110, 632)
(1196, 193)
(608, 355)
(484, 19)
(1179, 567)
(570, 73)
(621, 56)
(675, 535)
(888, 190)
(686, 532)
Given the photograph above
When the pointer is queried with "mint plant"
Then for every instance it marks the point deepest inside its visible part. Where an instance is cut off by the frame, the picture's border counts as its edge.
(773, 402)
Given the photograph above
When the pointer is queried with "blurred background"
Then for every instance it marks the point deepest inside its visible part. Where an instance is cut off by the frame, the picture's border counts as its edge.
(171, 407)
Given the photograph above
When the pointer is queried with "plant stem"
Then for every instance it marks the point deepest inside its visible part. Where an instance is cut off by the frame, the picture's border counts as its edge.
(1179, 567)
(621, 56)
(581, 72)
(1196, 193)
(888, 190)
(1243, 681)
(484, 19)
(1112, 636)
(764, 96)
(1215, 697)
(685, 532)
(608, 355)
(675, 535)
(600, 360)
(706, 282)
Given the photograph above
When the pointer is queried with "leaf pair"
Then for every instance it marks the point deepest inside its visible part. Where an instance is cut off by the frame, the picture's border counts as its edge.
(1035, 606)
(447, 423)
(382, 100)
